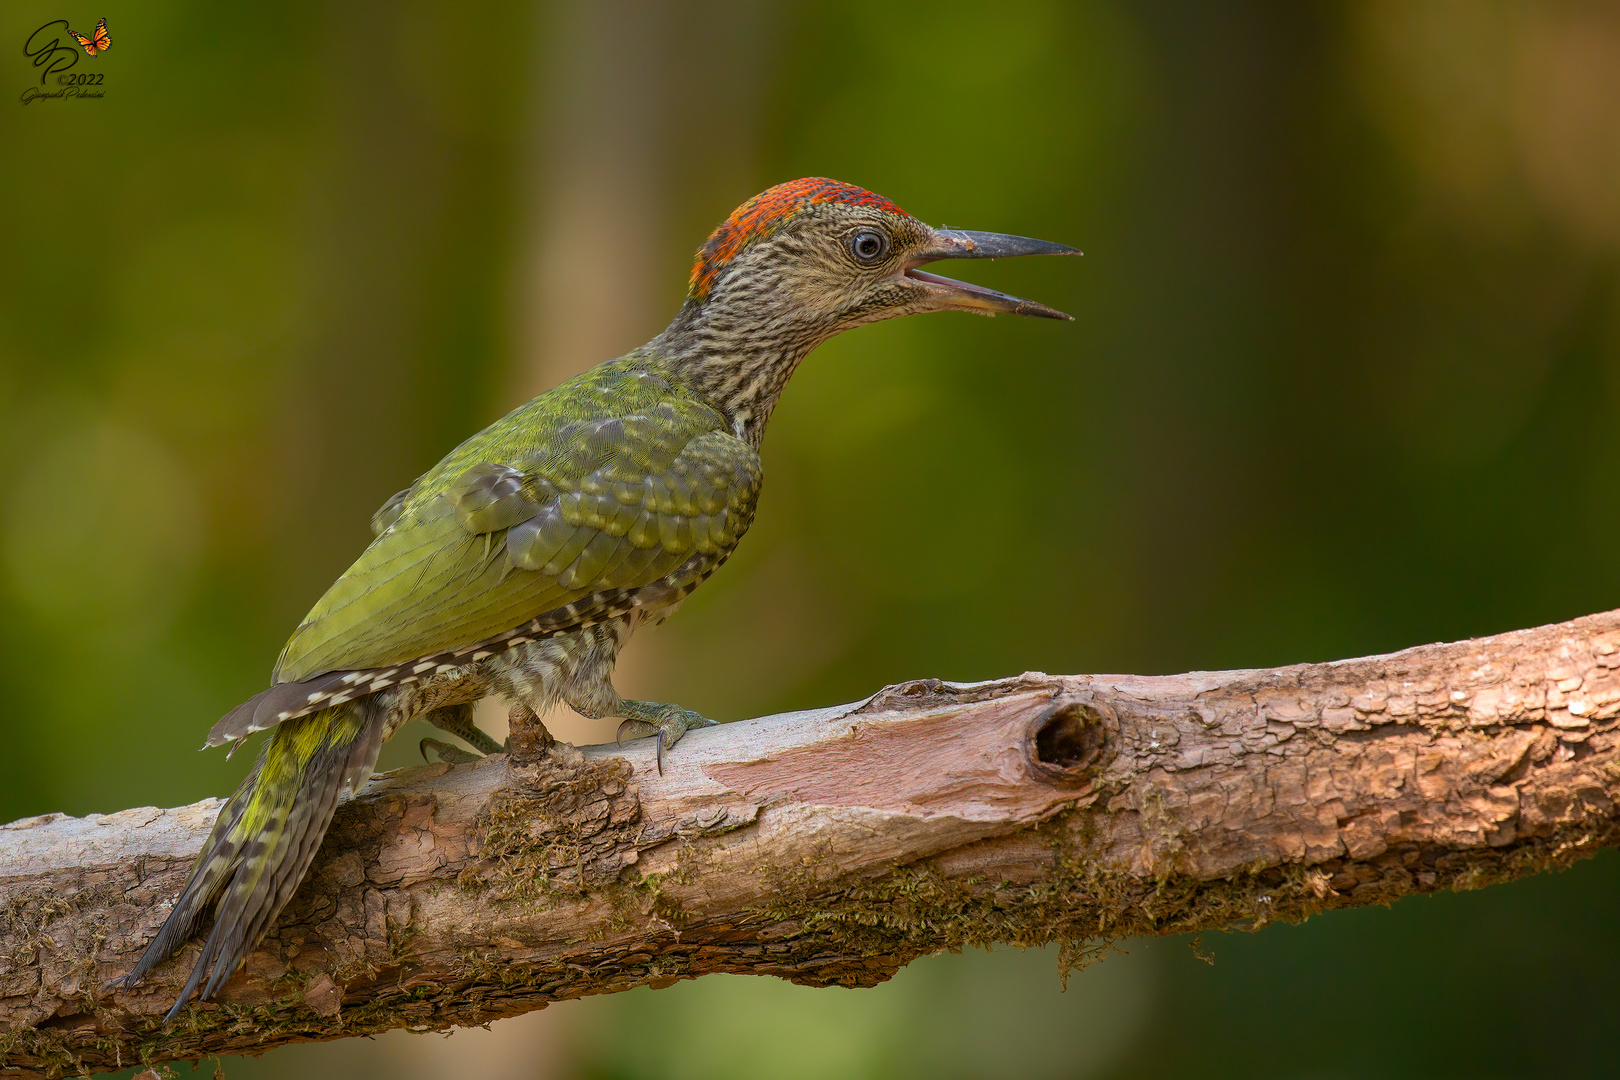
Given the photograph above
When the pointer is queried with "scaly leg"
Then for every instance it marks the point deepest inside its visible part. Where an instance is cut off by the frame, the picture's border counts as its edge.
(458, 721)
(577, 668)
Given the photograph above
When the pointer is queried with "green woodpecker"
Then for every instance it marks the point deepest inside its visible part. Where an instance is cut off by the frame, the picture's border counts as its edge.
(521, 563)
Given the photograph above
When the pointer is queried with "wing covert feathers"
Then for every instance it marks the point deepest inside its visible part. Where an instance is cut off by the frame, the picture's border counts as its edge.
(611, 482)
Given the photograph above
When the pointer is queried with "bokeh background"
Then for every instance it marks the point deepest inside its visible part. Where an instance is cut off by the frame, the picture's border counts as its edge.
(1344, 379)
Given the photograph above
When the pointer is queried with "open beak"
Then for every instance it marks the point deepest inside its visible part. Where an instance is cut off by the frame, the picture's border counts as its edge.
(962, 296)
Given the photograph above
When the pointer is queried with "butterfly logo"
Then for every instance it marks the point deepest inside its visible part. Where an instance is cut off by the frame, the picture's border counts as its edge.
(97, 42)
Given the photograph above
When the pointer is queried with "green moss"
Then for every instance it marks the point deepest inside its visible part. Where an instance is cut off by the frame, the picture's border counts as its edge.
(55, 1056)
(1084, 906)
(542, 844)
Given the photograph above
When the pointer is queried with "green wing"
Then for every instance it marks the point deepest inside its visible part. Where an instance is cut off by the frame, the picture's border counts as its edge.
(609, 482)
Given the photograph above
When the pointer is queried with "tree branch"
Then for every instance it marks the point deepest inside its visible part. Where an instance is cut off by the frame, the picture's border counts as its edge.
(835, 846)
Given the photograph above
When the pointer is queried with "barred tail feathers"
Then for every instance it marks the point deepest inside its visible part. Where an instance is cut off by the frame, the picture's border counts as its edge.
(265, 838)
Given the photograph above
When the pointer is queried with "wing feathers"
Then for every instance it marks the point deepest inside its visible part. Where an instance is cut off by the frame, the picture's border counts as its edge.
(529, 517)
(489, 498)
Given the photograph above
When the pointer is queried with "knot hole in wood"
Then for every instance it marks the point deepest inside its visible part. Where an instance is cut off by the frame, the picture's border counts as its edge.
(1067, 741)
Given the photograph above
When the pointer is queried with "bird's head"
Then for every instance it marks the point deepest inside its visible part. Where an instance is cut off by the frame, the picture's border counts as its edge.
(805, 260)
(818, 256)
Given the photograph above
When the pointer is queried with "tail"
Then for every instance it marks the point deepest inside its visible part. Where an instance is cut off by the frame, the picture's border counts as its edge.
(265, 839)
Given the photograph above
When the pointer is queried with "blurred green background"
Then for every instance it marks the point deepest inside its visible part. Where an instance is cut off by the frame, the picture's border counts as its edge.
(1343, 380)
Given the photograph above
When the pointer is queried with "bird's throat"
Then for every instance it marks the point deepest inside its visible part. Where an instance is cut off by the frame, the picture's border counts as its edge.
(741, 366)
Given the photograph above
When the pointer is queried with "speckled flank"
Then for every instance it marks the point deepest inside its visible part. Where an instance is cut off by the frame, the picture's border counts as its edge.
(764, 213)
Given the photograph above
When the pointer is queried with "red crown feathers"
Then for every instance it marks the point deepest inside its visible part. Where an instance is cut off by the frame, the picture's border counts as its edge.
(764, 213)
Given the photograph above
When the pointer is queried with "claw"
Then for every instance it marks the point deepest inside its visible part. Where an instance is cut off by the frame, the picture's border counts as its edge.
(658, 753)
(667, 723)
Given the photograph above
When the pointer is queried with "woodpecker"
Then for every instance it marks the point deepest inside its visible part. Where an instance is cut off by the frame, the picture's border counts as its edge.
(520, 564)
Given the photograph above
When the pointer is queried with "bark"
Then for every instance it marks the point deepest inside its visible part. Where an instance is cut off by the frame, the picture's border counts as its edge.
(835, 846)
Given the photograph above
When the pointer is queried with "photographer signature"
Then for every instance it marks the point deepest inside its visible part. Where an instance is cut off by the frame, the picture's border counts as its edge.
(51, 56)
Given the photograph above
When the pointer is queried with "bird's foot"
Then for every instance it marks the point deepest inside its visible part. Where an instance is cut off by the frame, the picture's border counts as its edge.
(452, 755)
(458, 721)
(529, 739)
(668, 722)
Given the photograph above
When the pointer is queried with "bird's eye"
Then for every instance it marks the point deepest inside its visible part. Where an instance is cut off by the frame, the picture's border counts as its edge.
(868, 245)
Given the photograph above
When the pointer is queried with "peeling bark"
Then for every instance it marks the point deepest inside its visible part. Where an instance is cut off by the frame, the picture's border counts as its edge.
(835, 846)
